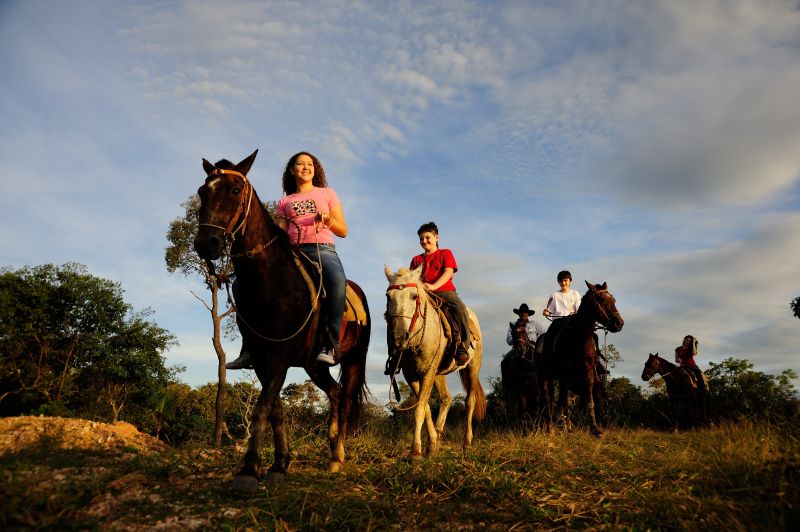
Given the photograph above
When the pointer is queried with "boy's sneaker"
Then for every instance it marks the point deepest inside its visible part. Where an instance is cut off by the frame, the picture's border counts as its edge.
(326, 357)
(243, 362)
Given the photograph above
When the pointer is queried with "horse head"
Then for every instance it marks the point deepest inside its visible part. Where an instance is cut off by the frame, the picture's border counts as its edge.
(225, 200)
(404, 303)
(651, 367)
(604, 306)
(519, 336)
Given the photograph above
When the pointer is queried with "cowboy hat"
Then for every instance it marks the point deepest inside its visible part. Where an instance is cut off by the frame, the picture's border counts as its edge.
(524, 308)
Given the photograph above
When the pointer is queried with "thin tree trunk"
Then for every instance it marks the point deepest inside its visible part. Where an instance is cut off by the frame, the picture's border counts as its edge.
(219, 407)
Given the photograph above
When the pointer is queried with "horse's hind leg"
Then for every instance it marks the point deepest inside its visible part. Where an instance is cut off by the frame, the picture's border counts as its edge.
(445, 400)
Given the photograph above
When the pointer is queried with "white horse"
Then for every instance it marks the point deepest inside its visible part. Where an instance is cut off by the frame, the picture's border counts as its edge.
(417, 337)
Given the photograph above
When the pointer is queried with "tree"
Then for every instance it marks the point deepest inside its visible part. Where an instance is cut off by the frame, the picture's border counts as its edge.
(795, 306)
(737, 390)
(181, 257)
(70, 341)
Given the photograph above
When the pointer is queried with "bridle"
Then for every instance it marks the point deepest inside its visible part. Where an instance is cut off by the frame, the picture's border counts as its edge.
(526, 347)
(603, 316)
(418, 311)
(242, 208)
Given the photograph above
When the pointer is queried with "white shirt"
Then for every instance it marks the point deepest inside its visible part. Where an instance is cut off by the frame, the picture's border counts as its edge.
(564, 303)
(533, 328)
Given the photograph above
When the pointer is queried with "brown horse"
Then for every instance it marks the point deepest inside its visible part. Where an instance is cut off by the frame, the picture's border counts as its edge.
(682, 389)
(570, 351)
(278, 312)
(520, 376)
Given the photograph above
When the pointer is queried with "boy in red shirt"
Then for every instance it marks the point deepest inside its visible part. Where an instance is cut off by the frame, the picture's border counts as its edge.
(439, 265)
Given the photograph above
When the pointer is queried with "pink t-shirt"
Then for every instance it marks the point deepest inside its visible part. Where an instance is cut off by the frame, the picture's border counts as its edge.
(302, 207)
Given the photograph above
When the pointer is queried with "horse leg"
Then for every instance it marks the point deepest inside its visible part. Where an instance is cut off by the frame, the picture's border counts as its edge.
(589, 394)
(476, 398)
(269, 407)
(422, 414)
(445, 400)
(336, 433)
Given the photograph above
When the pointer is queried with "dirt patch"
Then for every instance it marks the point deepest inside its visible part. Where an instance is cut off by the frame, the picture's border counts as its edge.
(24, 432)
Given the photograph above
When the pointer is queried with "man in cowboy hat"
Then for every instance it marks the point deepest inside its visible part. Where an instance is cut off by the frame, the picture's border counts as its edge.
(532, 327)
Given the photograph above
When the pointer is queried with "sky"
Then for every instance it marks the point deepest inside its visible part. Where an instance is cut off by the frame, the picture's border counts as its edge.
(652, 145)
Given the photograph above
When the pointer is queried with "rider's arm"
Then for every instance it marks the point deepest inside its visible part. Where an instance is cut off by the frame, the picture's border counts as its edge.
(447, 274)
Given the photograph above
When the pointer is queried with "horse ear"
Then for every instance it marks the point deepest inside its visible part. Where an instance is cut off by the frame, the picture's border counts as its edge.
(244, 166)
(605, 286)
(207, 166)
(589, 285)
(388, 273)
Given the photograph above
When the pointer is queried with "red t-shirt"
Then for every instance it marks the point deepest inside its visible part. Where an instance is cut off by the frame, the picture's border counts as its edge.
(685, 356)
(435, 264)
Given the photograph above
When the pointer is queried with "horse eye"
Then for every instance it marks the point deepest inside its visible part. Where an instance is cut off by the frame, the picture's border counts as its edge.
(237, 190)
(414, 296)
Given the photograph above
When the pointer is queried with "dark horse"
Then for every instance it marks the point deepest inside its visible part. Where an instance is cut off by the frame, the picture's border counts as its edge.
(278, 312)
(570, 351)
(520, 376)
(682, 389)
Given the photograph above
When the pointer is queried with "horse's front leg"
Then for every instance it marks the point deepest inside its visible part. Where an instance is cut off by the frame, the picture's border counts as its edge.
(594, 429)
(422, 414)
(267, 407)
(322, 378)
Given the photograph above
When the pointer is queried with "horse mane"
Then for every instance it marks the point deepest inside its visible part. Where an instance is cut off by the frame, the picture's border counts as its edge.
(224, 164)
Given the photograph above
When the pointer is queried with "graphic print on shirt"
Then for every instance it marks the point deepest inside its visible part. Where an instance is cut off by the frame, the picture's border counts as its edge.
(306, 206)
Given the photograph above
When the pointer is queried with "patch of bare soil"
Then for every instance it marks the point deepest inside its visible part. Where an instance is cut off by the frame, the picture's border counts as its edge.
(24, 432)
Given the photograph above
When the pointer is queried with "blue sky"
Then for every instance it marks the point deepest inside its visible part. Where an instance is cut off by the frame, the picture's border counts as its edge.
(651, 145)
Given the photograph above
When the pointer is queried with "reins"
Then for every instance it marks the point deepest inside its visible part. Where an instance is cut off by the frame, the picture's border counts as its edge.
(229, 234)
(409, 334)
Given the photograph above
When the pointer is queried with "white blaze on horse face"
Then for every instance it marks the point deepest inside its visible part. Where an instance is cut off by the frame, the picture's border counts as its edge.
(213, 183)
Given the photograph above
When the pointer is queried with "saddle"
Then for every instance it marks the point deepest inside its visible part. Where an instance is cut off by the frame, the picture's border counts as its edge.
(450, 326)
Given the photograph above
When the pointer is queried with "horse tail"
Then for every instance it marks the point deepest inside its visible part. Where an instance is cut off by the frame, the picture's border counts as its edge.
(480, 396)
(354, 369)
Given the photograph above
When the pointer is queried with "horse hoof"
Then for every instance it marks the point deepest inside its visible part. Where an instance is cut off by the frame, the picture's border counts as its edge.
(275, 479)
(598, 434)
(334, 467)
(417, 458)
(245, 485)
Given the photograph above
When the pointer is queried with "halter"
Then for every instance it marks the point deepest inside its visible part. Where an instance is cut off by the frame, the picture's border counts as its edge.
(416, 314)
(418, 311)
(229, 231)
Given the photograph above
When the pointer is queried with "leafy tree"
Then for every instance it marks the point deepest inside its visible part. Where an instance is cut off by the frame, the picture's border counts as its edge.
(737, 390)
(69, 339)
(795, 306)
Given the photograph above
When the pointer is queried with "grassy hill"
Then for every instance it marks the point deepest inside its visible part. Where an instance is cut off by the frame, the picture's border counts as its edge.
(731, 477)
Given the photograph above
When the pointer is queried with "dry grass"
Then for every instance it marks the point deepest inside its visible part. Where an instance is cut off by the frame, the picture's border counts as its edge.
(733, 477)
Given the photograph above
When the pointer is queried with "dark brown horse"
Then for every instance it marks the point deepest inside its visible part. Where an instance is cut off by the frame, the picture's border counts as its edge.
(570, 351)
(520, 376)
(682, 389)
(278, 312)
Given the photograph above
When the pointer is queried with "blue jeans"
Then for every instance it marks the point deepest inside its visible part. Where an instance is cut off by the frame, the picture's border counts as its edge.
(334, 281)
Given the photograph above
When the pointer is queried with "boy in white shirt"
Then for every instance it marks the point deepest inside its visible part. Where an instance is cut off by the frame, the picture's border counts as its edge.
(565, 301)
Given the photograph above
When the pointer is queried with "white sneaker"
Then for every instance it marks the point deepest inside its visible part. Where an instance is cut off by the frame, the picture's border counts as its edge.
(326, 357)
(243, 362)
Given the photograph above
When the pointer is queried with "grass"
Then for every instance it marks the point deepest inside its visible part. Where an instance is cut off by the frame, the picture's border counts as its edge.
(731, 477)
